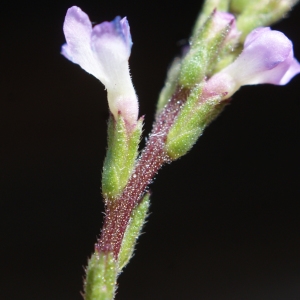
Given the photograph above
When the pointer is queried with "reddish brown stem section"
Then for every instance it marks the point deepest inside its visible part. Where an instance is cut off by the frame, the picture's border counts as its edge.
(117, 214)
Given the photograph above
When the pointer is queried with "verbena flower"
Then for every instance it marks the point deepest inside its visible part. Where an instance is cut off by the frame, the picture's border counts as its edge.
(103, 51)
(267, 58)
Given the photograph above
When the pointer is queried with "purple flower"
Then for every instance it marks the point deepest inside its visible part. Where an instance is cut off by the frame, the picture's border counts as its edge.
(103, 51)
(267, 58)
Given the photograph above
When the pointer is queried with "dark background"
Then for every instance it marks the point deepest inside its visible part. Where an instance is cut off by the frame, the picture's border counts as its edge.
(224, 220)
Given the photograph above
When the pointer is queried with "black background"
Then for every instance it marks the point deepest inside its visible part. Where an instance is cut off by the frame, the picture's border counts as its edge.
(224, 220)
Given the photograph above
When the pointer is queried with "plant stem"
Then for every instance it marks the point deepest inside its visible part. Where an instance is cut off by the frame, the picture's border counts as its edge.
(153, 157)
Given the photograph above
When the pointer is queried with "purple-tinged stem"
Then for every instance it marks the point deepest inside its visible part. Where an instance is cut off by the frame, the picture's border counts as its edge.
(153, 157)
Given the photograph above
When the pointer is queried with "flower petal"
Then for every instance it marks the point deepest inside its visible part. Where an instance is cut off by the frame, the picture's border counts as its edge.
(111, 45)
(126, 33)
(251, 37)
(267, 58)
(263, 59)
(293, 70)
(77, 29)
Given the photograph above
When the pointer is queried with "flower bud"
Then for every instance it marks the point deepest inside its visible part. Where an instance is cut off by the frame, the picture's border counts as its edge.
(207, 9)
(205, 48)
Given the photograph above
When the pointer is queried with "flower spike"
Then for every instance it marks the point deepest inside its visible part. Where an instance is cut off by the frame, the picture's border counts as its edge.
(103, 51)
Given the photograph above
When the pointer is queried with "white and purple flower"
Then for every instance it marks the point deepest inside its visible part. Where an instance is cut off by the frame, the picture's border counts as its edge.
(103, 51)
(267, 57)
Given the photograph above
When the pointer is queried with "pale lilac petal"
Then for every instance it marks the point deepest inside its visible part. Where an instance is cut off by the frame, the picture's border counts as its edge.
(265, 51)
(276, 74)
(77, 29)
(254, 34)
(126, 33)
(293, 70)
(109, 46)
(66, 52)
(267, 58)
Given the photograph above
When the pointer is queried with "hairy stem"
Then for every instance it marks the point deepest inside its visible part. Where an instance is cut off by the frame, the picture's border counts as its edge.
(118, 212)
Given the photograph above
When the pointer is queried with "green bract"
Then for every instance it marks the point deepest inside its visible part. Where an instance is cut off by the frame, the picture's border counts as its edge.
(170, 85)
(191, 121)
(133, 230)
(101, 274)
(121, 155)
(203, 54)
